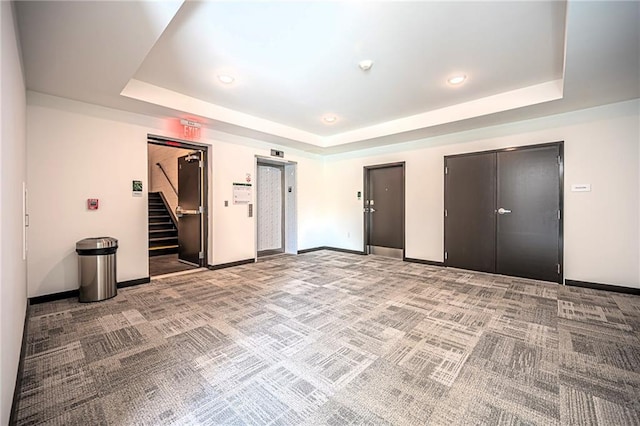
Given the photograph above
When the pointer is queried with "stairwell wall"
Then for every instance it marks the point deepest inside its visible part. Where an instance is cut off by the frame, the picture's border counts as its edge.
(168, 157)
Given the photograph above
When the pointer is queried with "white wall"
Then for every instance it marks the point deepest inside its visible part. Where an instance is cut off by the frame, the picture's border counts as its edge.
(78, 151)
(13, 280)
(601, 227)
(73, 156)
(233, 231)
(90, 151)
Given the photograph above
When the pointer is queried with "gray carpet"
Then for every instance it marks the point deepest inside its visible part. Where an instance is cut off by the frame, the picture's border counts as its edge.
(334, 339)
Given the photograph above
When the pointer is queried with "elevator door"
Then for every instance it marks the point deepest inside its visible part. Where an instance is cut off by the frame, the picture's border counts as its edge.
(270, 209)
(384, 210)
(503, 212)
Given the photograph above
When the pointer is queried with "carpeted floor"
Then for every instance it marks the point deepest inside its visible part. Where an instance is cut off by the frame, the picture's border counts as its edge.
(334, 339)
(167, 264)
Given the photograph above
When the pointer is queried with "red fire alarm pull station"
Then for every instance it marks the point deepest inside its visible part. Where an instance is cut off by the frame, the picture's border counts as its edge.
(92, 204)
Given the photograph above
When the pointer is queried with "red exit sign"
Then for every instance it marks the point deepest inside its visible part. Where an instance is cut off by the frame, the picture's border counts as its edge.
(190, 129)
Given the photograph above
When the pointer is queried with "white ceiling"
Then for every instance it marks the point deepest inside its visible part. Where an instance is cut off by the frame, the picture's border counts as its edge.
(296, 61)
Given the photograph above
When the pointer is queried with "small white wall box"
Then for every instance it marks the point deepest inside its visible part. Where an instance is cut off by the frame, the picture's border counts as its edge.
(581, 187)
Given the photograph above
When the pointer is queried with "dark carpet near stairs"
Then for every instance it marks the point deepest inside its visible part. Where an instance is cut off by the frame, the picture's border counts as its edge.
(333, 339)
(167, 264)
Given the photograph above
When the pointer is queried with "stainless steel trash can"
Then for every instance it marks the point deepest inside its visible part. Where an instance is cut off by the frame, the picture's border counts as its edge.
(97, 268)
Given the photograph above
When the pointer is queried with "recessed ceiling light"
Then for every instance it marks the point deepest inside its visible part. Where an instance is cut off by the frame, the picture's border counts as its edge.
(457, 79)
(329, 119)
(365, 65)
(226, 79)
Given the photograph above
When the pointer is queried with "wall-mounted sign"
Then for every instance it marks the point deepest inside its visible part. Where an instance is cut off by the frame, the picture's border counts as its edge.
(136, 186)
(581, 187)
(242, 193)
(190, 129)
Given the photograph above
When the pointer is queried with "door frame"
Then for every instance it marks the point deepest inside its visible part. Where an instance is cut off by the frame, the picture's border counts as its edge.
(178, 143)
(283, 242)
(367, 190)
(560, 145)
(289, 203)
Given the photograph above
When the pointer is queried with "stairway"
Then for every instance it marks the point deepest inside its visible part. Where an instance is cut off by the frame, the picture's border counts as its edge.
(163, 234)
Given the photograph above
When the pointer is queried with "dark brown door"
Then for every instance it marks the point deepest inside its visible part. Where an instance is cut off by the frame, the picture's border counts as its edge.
(528, 225)
(189, 210)
(503, 212)
(470, 223)
(384, 209)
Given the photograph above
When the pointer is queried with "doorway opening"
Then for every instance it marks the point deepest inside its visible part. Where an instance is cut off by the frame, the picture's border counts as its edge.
(503, 211)
(177, 212)
(276, 207)
(384, 194)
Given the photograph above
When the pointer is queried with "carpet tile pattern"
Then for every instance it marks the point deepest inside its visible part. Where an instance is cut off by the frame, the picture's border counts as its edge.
(329, 338)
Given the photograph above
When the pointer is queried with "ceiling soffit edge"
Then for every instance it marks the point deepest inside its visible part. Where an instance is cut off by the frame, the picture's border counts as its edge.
(532, 95)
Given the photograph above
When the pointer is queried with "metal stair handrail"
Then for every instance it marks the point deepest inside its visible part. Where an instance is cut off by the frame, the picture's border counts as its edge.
(167, 176)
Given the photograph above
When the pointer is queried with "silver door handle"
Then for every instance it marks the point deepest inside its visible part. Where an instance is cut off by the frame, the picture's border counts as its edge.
(369, 210)
(503, 211)
(181, 212)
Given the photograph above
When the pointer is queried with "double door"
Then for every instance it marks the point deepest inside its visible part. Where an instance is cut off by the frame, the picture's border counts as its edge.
(503, 212)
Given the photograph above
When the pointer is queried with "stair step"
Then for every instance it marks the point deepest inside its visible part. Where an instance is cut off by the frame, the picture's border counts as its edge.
(162, 243)
(163, 235)
(155, 239)
(163, 247)
(160, 250)
(158, 233)
(161, 225)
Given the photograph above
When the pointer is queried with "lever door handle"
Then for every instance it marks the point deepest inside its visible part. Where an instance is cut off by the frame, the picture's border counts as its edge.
(503, 211)
(181, 212)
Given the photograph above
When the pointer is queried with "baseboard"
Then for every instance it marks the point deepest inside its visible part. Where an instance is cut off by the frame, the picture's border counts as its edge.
(341, 250)
(53, 297)
(309, 250)
(423, 262)
(13, 419)
(131, 283)
(74, 293)
(607, 287)
(231, 264)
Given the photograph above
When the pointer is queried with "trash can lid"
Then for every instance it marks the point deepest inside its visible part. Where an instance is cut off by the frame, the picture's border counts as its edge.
(96, 243)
